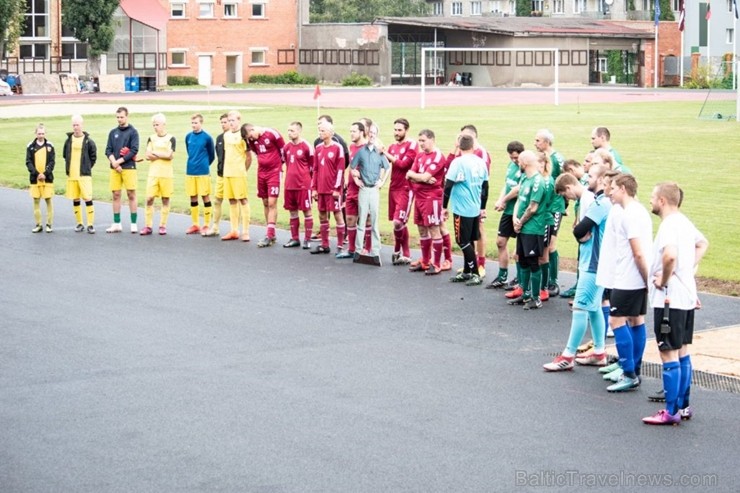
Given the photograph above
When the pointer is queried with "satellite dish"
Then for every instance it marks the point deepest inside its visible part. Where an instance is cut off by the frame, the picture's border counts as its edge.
(608, 2)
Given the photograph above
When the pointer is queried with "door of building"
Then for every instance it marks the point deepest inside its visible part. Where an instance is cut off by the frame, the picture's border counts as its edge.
(204, 70)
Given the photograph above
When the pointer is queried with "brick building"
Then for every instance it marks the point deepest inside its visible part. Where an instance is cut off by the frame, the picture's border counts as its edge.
(227, 41)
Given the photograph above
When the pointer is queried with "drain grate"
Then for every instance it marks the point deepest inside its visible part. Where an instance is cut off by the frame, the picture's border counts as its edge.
(704, 379)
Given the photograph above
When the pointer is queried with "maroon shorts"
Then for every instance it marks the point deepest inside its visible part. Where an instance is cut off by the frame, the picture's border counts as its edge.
(268, 184)
(329, 203)
(352, 206)
(297, 200)
(399, 205)
(428, 212)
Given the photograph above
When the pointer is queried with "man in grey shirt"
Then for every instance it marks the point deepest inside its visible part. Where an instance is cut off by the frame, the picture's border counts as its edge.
(369, 169)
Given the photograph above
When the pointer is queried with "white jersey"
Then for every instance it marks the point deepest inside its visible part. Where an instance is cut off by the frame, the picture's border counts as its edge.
(587, 198)
(635, 224)
(607, 255)
(676, 230)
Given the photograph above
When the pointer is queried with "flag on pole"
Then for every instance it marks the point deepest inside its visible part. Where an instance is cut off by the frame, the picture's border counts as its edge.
(682, 16)
(734, 5)
(709, 11)
(317, 92)
(657, 12)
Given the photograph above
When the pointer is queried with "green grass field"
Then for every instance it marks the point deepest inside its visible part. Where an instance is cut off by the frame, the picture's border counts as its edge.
(659, 141)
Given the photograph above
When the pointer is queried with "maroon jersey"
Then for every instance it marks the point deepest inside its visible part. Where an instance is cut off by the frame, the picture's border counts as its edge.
(298, 165)
(405, 152)
(269, 150)
(435, 164)
(328, 171)
(479, 151)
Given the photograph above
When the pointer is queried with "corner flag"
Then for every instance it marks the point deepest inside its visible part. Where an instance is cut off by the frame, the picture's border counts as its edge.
(317, 92)
(682, 16)
(657, 12)
(709, 11)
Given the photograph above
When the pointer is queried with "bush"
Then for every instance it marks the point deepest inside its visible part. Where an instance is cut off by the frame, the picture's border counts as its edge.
(355, 79)
(291, 78)
(181, 80)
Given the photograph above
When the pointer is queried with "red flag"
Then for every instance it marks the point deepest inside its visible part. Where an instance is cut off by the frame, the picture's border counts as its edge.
(682, 17)
(709, 11)
(317, 92)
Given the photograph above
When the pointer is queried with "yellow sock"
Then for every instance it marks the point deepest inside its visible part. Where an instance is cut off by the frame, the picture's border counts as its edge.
(234, 216)
(90, 214)
(49, 212)
(246, 218)
(149, 216)
(216, 215)
(207, 215)
(78, 213)
(37, 210)
(164, 215)
(194, 214)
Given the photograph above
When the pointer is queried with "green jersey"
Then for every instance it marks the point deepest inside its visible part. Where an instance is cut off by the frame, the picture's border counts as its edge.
(556, 165)
(532, 189)
(548, 201)
(513, 177)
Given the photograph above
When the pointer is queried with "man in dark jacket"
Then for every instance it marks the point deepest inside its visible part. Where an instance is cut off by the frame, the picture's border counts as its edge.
(80, 155)
(40, 160)
(121, 150)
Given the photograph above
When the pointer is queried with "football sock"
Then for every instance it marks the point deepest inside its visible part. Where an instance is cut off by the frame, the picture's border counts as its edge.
(545, 269)
(503, 274)
(352, 238)
(271, 230)
(605, 312)
(90, 210)
(295, 225)
(164, 214)
(625, 349)
(148, 216)
(447, 246)
(437, 247)
(246, 214)
(49, 212)
(324, 227)
(536, 274)
(308, 225)
(341, 231)
(598, 331)
(639, 337)
(524, 281)
(671, 381)
(426, 249)
(117, 217)
(207, 214)
(77, 209)
(405, 242)
(37, 210)
(554, 263)
(194, 212)
(216, 214)
(684, 388)
(234, 216)
(578, 325)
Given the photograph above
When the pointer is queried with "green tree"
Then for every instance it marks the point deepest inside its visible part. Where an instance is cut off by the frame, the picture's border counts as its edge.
(91, 21)
(364, 10)
(12, 21)
(666, 11)
(523, 8)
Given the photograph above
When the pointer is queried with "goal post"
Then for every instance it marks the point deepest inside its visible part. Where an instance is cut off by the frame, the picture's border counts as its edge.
(554, 51)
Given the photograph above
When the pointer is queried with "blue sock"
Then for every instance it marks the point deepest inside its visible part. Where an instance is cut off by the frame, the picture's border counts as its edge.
(578, 326)
(684, 387)
(638, 345)
(605, 311)
(598, 331)
(671, 380)
(623, 338)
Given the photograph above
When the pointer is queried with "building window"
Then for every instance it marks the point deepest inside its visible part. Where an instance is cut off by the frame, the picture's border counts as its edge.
(438, 8)
(457, 8)
(37, 19)
(34, 50)
(496, 6)
(512, 7)
(258, 10)
(579, 6)
(74, 50)
(259, 56)
(730, 36)
(178, 59)
(558, 6)
(537, 5)
(602, 65)
(475, 8)
(729, 6)
(205, 10)
(647, 4)
(230, 11)
(676, 5)
(177, 10)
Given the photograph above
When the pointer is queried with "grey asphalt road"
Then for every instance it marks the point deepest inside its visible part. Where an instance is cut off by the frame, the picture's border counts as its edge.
(187, 364)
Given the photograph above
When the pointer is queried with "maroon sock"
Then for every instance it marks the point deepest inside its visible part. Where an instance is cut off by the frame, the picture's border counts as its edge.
(295, 223)
(368, 244)
(481, 261)
(324, 227)
(271, 230)
(437, 247)
(398, 236)
(351, 238)
(308, 225)
(340, 235)
(447, 246)
(405, 242)
(426, 249)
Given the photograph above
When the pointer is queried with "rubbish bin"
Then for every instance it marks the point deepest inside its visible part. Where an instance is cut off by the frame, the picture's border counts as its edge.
(132, 84)
(467, 79)
(147, 83)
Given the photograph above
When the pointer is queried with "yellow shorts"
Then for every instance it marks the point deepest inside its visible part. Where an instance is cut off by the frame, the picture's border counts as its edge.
(80, 188)
(219, 187)
(125, 179)
(160, 187)
(41, 190)
(198, 186)
(235, 187)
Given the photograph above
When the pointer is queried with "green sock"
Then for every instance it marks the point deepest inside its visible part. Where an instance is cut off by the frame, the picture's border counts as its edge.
(536, 281)
(524, 282)
(545, 269)
(134, 217)
(503, 273)
(117, 217)
(519, 273)
(554, 261)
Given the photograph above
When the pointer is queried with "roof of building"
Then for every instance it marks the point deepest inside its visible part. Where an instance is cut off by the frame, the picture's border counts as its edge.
(147, 12)
(529, 26)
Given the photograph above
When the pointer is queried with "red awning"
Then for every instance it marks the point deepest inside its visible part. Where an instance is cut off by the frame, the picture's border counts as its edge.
(147, 12)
